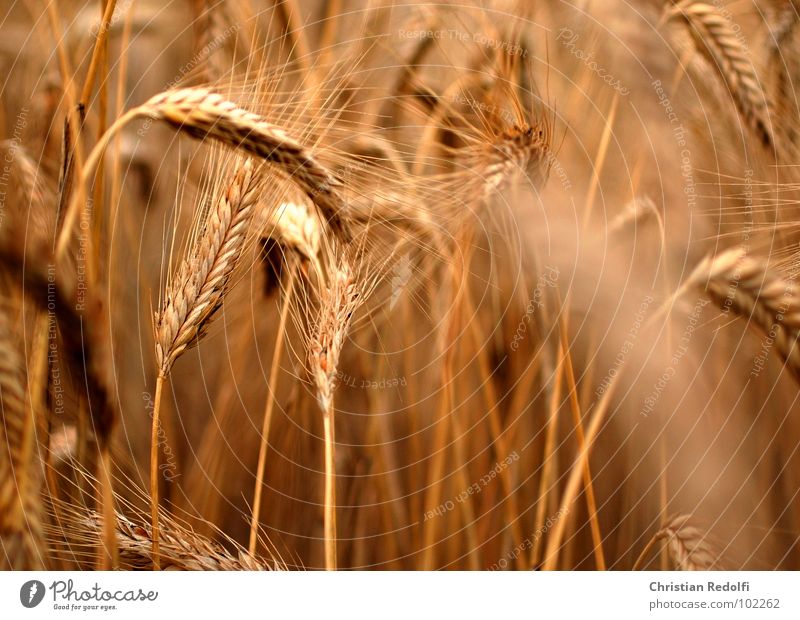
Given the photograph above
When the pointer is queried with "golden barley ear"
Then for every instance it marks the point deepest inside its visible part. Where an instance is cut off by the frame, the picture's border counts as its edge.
(522, 148)
(344, 294)
(197, 289)
(180, 548)
(75, 531)
(196, 292)
(749, 288)
(203, 114)
(689, 547)
(716, 39)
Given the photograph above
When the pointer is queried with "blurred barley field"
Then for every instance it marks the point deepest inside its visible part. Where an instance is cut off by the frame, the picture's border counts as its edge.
(485, 285)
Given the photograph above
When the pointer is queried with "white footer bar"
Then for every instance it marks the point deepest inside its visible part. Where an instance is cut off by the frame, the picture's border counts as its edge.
(390, 595)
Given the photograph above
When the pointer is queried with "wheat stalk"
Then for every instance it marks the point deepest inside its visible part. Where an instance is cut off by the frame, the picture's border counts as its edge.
(196, 292)
(341, 298)
(289, 228)
(575, 478)
(267, 419)
(716, 38)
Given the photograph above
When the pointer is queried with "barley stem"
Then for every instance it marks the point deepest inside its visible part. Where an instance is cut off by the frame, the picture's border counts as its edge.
(97, 51)
(637, 565)
(330, 489)
(575, 407)
(154, 447)
(109, 555)
(575, 477)
(267, 422)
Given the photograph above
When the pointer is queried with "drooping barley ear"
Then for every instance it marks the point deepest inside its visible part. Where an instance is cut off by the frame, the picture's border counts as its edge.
(716, 38)
(204, 114)
(21, 537)
(520, 149)
(747, 287)
(180, 547)
(290, 228)
(341, 298)
(688, 546)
